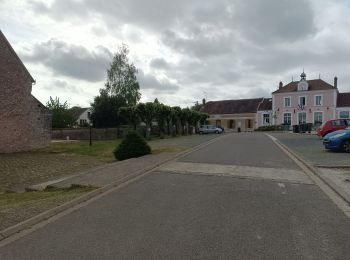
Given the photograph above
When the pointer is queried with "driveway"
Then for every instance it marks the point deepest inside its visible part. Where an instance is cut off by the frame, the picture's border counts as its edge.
(179, 213)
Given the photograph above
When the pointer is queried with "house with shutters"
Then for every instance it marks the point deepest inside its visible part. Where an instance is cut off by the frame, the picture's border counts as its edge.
(25, 122)
(309, 101)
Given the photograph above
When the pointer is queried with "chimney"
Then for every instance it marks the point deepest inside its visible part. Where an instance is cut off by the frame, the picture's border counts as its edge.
(280, 85)
(335, 82)
(203, 101)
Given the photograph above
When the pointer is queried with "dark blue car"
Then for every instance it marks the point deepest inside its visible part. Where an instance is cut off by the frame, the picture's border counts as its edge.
(338, 140)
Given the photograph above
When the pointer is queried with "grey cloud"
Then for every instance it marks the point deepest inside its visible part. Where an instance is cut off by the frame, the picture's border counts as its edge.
(270, 20)
(201, 46)
(148, 81)
(159, 63)
(71, 60)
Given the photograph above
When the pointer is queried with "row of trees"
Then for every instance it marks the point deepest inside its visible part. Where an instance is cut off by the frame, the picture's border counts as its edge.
(170, 120)
(118, 103)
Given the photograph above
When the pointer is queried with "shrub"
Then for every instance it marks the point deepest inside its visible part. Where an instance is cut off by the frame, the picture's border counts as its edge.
(271, 128)
(133, 145)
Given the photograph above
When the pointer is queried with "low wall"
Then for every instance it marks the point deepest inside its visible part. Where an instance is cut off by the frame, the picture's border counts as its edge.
(96, 133)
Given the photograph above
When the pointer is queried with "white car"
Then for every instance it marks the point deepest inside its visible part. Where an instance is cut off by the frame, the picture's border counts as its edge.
(209, 129)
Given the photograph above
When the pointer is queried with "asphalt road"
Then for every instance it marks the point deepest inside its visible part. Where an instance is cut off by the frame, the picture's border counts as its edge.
(188, 216)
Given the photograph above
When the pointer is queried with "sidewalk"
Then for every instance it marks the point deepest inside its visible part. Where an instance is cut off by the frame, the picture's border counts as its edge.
(333, 167)
(109, 173)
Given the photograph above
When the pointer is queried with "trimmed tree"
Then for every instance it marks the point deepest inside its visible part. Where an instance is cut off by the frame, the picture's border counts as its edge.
(132, 146)
(146, 112)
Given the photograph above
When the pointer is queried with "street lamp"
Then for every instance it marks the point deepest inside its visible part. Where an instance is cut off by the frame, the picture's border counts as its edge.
(90, 125)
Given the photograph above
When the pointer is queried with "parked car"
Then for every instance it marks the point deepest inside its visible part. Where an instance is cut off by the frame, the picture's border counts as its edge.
(338, 140)
(209, 129)
(333, 125)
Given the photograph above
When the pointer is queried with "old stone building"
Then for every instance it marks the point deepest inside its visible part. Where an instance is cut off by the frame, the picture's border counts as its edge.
(25, 123)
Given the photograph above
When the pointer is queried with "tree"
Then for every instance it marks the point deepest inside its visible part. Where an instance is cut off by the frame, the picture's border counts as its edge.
(160, 115)
(121, 78)
(146, 112)
(175, 118)
(105, 110)
(130, 115)
(185, 118)
(61, 116)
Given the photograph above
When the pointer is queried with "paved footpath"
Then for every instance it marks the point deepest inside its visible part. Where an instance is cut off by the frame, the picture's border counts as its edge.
(211, 204)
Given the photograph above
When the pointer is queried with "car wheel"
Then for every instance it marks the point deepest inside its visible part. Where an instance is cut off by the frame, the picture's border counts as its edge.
(346, 146)
(200, 132)
(216, 132)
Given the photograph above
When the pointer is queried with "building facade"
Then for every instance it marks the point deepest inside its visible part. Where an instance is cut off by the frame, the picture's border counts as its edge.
(25, 122)
(308, 101)
(238, 115)
(82, 116)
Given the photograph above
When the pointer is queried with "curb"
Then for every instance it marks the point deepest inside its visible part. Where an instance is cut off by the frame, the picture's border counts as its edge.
(46, 215)
(310, 169)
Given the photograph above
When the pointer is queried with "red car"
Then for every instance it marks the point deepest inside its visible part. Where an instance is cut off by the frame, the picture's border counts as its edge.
(333, 125)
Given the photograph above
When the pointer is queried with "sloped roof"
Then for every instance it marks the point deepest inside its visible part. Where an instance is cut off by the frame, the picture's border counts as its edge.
(77, 111)
(343, 100)
(4, 62)
(266, 104)
(232, 106)
(314, 84)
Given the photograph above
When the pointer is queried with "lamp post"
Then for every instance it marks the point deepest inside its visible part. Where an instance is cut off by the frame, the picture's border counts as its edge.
(90, 125)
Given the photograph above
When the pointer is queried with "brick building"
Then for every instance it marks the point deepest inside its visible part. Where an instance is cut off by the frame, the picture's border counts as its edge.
(25, 123)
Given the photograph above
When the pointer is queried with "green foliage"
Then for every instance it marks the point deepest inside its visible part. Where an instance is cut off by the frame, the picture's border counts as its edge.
(105, 110)
(133, 145)
(130, 115)
(270, 128)
(121, 78)
(61, 116)
(146, 112)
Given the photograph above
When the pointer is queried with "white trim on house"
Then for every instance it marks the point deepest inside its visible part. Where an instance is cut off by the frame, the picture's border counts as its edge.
(262, 118)
(291, 117)
(290, 101)
(305, 100)
(313, 114)
(301, 113)
(318, 95)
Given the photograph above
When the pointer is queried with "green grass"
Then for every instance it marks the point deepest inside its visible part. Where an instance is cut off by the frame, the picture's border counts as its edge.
(8, 200)
(102, 150)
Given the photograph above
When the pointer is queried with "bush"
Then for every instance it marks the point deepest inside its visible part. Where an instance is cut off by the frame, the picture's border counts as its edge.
(271, 128)
(133, 145)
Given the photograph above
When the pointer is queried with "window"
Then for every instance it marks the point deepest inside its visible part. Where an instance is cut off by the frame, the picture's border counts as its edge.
(266, 119)
(302, 118)
(344, 114)
(302, 101)
(287, 118)
(88, 114)
(287, 102)
(318, 100)
(337, 122)
(318, 118)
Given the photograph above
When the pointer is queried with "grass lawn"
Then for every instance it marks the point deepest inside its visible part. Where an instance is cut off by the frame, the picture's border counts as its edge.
(100, 150)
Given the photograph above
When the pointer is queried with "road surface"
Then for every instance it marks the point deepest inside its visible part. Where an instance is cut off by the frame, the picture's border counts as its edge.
(238, 198)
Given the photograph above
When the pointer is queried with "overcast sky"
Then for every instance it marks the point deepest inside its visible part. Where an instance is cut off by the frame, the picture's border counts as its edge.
(184, 50)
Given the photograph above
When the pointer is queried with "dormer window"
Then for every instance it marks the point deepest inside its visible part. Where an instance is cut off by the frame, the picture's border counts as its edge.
(303, 85)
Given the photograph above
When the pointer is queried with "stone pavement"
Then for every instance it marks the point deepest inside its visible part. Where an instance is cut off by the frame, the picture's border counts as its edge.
(107, 174)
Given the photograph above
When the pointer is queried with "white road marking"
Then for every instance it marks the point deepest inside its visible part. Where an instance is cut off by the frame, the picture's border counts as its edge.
(281, 185)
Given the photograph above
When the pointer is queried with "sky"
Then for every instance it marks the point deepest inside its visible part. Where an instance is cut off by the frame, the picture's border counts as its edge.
(184, 50)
